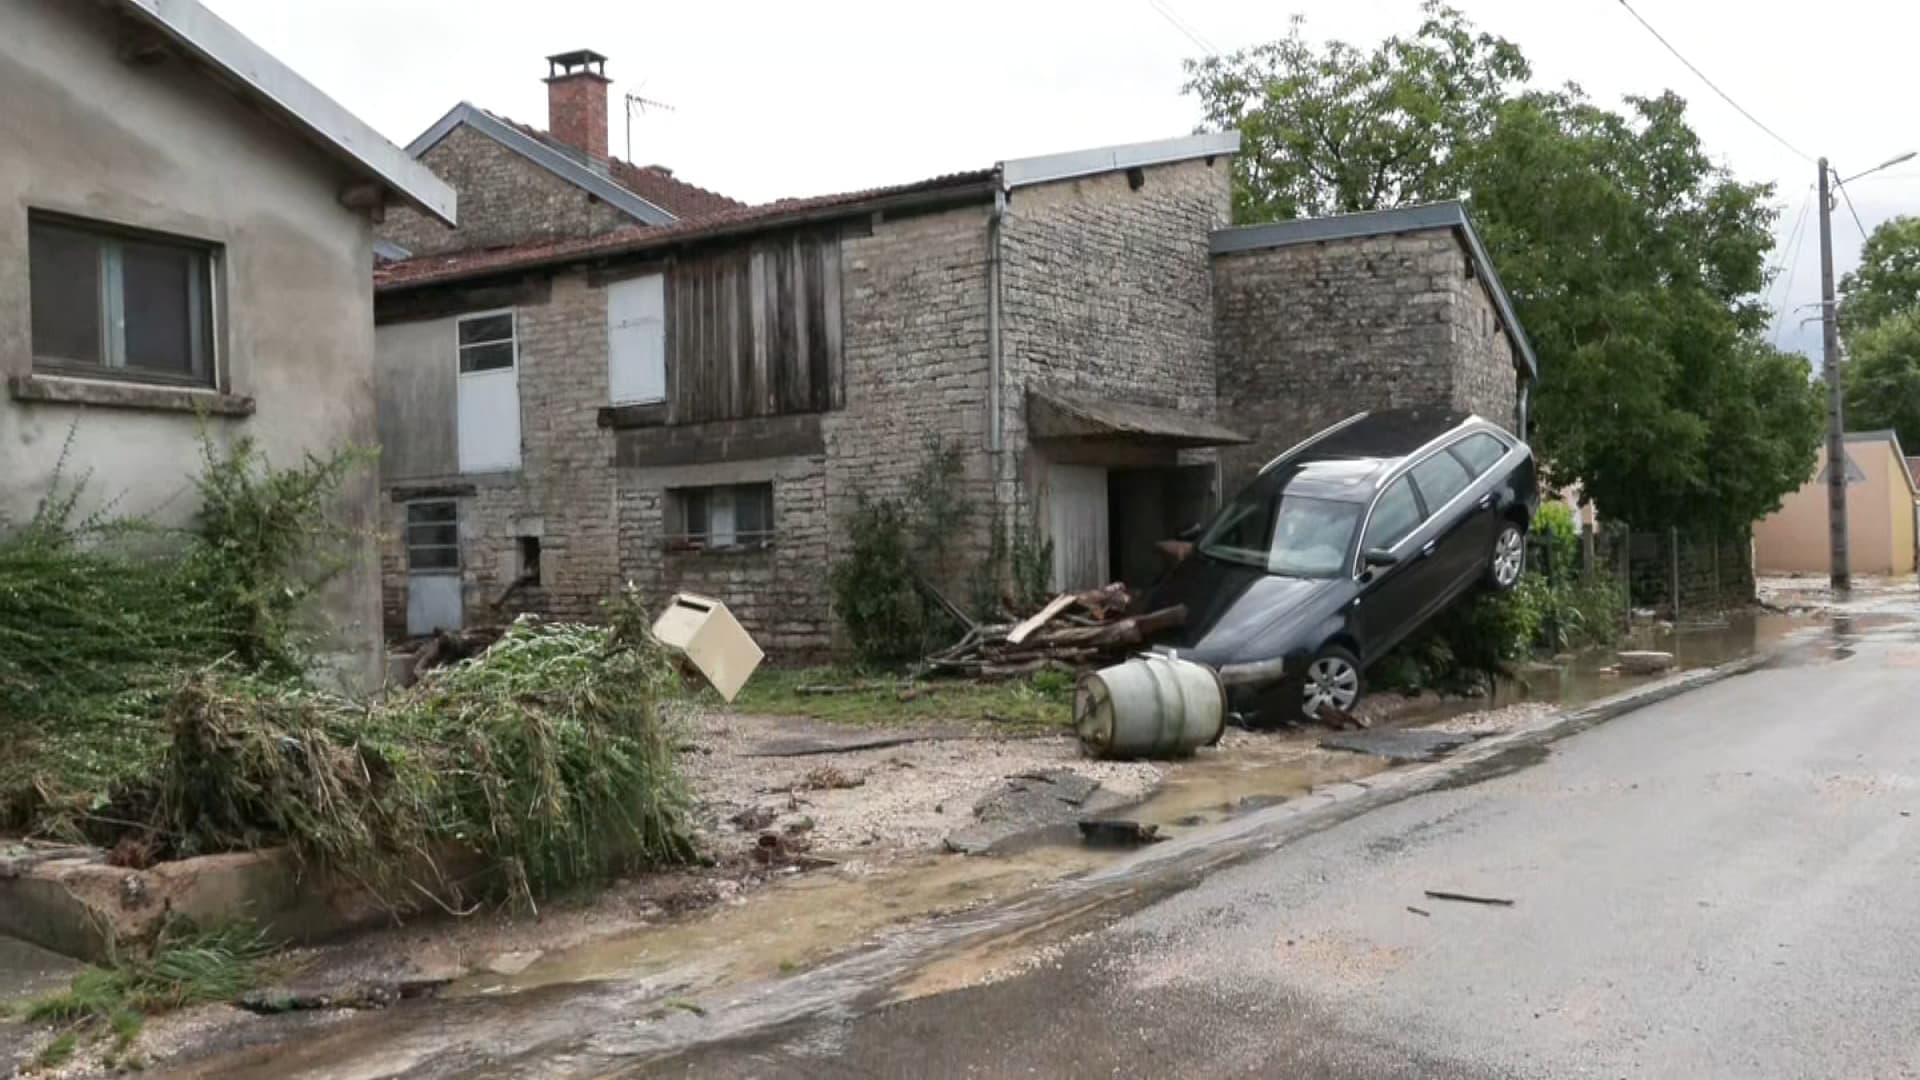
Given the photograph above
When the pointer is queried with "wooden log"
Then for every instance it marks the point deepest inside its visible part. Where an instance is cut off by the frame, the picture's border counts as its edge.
(1129, 631)
(1040, 618)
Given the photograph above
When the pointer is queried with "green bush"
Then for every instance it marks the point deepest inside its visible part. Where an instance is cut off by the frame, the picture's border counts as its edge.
(99, 616)
(899, 549)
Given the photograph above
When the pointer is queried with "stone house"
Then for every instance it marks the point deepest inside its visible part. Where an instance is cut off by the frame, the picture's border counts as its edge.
(186, 230)
(694, 403)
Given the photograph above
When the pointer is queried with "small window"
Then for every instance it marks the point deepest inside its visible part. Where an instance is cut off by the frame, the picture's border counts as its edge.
(1479, 451)
(735, 517)
(486, 342)
(112, 303)
(433, 535)
(1394, 516)
(1440, 477)
(530, 559)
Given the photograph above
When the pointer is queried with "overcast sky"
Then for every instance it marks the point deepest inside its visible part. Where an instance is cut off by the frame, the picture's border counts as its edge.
(781, 98)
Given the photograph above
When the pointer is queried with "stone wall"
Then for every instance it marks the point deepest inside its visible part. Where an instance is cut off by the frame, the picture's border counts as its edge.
(1107, 288)
(1484, 378)
(915, 340)
(779, 594)
(504, 199)
(563, 490)
(1308, 334)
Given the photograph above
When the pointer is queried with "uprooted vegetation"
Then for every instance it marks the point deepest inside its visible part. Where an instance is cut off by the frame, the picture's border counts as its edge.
(152, 696)
(185, 967)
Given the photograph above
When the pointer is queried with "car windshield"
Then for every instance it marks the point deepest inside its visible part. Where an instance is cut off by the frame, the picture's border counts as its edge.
(1283, 533)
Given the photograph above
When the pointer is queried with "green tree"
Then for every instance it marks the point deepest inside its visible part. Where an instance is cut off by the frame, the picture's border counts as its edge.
(1883, 377)
(1635, 261)
(1888, 279)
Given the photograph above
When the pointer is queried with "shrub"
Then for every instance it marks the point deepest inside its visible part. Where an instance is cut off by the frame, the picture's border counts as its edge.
(897, 550)
(548, 755)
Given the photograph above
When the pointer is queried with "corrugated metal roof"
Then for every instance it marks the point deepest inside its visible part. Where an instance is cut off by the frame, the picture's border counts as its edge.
(208, 38)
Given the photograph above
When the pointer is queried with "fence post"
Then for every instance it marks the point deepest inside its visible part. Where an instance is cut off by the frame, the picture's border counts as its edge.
(1553, 606)
(1625, 536)
(1673, 559)
(1587, 554)
(1719, 593)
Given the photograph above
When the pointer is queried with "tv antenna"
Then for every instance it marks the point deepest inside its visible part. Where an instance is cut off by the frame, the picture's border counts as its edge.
(642, 104)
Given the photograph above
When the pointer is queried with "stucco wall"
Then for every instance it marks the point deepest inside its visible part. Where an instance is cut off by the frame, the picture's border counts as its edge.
(1309, 334)
(504, 199)
(1794, 539)
(165, 148)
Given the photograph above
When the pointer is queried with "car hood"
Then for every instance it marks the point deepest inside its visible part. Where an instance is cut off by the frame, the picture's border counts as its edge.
(1231, 608)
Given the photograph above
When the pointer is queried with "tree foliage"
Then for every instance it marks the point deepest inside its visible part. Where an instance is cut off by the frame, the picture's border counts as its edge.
(1633, 260)
(1883, 377)
(1887, 281)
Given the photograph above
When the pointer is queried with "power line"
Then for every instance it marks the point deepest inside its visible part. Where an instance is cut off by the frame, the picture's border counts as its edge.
(1712, 86)
(1786, 249)
(1856, 214)
(1794, 248)
(1181, 25)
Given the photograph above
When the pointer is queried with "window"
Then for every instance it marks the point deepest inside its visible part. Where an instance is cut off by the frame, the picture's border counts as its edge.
(486, 343)
(1282, 533)
(114, 303)
(721, 518)
(1480, 451)
(1394, 516)
(529, 559)
(433, 535)
(1440, 477)
(637, 341)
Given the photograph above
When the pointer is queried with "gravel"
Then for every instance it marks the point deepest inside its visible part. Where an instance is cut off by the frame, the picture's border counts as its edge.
(906, 798)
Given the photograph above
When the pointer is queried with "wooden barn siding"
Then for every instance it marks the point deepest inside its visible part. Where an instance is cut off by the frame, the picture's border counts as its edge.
(755, 330)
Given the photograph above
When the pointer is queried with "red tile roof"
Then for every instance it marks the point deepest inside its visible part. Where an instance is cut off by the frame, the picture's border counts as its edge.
(654, 183)
(428, 269)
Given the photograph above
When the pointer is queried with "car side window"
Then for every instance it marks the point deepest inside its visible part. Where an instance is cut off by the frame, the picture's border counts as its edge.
(1394, 516)
(1440, 477)
(1480, 450)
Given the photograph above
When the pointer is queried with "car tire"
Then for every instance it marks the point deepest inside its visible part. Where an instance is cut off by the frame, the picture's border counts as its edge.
(1508, 561)
(1333, 678)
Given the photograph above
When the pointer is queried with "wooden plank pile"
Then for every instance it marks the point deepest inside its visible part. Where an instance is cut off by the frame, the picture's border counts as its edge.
(1072, 632)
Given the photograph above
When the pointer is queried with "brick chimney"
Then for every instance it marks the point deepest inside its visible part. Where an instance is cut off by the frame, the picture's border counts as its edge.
(577, 101)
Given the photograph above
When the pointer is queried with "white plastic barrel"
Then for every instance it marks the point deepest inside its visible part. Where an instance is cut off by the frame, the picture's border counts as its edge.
(1149, 707)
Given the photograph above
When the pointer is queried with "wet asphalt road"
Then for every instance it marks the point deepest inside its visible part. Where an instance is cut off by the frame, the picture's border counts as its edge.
(1726, 884)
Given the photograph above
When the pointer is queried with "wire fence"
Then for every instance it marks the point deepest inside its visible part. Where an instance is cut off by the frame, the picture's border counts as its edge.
(1673, 571)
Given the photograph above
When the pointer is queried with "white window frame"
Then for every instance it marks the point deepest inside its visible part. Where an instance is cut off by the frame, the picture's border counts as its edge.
(203, 299)
(512, 338)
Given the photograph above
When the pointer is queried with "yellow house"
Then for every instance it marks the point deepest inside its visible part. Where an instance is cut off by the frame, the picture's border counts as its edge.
(1883, 514)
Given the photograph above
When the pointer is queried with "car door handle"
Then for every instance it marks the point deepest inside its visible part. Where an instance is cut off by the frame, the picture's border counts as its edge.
(1486, 501)
(1427, 549)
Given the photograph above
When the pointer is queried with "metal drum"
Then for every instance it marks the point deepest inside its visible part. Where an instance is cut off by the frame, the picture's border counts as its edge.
(1149, 707)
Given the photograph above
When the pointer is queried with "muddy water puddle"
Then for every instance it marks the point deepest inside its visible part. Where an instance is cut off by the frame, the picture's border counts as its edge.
(792, 924)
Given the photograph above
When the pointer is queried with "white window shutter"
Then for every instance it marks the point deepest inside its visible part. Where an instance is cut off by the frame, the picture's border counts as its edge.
(637, 340)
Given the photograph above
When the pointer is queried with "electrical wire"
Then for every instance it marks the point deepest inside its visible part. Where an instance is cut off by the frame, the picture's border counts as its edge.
(1724, 96)
(1792, 234)
(1181, 25)
(1792, 263)
(1848, 199)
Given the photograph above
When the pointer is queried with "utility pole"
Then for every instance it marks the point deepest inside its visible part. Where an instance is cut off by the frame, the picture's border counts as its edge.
(1836, 421)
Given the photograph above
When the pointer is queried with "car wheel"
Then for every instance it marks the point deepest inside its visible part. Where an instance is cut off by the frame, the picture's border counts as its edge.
(1509, 557)
(1332, 682)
